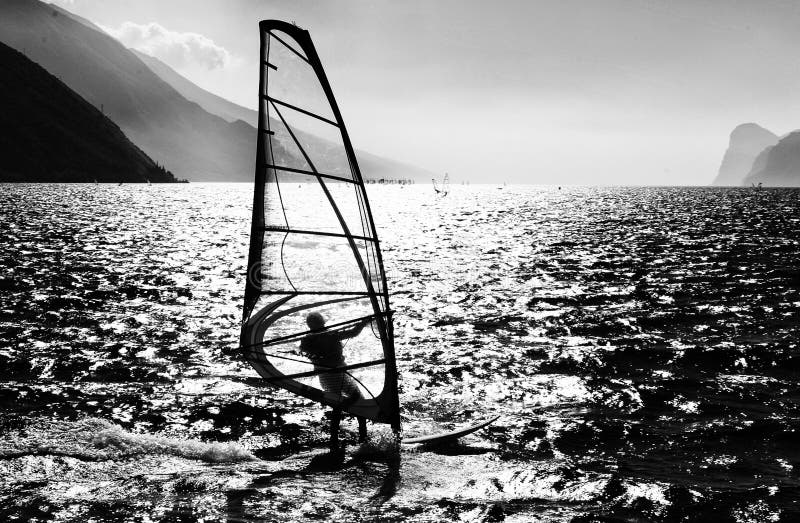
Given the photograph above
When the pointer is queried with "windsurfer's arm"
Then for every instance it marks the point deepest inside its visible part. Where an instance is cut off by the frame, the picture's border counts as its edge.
(353, 331)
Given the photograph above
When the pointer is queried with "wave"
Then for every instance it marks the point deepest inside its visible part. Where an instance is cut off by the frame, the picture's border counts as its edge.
(94, 439)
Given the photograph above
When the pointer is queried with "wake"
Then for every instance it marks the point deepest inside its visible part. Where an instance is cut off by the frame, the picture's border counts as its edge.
(94, 439)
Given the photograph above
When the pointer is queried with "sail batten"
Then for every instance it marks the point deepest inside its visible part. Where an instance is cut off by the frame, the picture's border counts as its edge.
(316, 233)
(314, 247)
(294, 108)
(300, 335)
(326, 371)
(310, 173)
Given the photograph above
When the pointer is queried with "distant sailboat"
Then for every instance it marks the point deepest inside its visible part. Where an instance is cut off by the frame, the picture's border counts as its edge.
(444, 188)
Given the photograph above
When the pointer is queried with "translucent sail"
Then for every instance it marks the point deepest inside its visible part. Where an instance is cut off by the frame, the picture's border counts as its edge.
(313, 244)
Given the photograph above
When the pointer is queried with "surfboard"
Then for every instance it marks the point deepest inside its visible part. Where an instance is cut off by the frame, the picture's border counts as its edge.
(443, 437)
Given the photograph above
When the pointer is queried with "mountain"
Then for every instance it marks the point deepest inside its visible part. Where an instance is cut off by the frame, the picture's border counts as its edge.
(48, 133)
(758, 164)
(209, 101)
(746, 142)
(778, 165)
(376, 167)
(372, 166)
(172, 130)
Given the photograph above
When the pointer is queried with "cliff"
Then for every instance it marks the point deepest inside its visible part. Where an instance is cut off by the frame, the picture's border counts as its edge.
(779, 165)
(746, 142)
(48, 133)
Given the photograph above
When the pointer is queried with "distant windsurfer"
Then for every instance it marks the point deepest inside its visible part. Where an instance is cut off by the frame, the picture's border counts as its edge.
(324, 349)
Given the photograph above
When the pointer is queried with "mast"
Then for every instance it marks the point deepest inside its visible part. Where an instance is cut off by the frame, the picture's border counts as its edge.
(252, 285)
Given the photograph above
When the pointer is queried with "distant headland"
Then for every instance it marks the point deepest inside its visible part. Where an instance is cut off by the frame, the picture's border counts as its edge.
(758, 156)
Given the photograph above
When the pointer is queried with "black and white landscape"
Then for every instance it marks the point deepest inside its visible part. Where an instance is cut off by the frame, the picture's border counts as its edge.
(579, 218)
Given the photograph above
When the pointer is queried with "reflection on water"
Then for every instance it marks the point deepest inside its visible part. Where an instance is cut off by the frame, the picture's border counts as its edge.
(640, 345)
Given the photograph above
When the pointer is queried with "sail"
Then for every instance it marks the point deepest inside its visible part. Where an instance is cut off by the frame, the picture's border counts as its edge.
(444, 188)
(313, 244)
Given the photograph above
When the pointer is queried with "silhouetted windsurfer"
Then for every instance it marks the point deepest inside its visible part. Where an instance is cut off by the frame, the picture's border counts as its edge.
(324, 349)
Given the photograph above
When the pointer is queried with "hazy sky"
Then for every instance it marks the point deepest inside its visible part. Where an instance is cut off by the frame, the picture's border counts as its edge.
(562, 92)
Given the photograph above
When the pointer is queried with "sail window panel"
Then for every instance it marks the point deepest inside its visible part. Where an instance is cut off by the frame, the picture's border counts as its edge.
(349, 203)
(283, 151)
(273, 204)
(293, 81)
(321, 141)
(308, 263)
(281, 344)
(314, 263)
(376, 274)
(299, 201)
(270, 275)
(287, 43)
(298, 216)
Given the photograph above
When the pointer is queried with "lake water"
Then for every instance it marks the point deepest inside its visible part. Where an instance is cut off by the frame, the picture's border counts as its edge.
(640, 346)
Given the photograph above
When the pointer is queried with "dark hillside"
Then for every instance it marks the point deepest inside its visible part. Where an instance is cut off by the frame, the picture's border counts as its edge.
(173, 131)
(48, 133)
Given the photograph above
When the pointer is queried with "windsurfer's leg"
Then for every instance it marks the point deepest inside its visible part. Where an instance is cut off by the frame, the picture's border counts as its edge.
(350, 390)
(336, 418)
(362, 429)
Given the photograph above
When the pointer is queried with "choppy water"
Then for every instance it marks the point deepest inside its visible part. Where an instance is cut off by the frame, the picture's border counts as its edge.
(639, 344)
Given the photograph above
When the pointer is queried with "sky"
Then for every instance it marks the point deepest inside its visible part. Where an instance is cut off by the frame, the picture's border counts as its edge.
(610, 92)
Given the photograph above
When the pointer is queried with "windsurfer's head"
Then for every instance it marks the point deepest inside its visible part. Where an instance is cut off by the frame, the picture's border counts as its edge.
(315, 321)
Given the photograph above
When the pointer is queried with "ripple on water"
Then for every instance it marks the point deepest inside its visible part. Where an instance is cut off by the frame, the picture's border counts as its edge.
(639, 344)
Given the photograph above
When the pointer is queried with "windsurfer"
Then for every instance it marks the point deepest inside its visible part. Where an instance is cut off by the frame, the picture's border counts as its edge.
(324, 349)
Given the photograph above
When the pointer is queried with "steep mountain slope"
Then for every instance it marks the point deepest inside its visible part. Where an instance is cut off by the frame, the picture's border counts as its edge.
(174, 131)
(48, 133)
(209, 101)
(778, 165)
(746, 142)
(372, 166)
